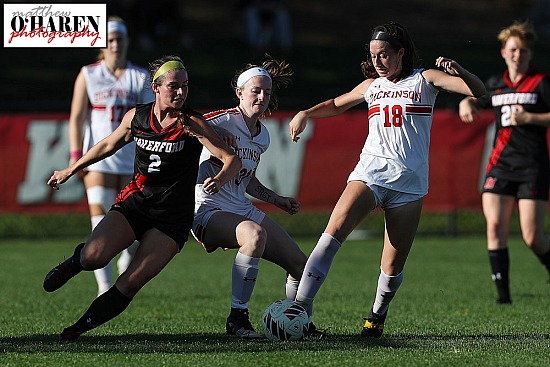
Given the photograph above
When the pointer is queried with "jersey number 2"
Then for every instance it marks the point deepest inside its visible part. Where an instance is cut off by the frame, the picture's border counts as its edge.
(243, 173)
(155, 163)
(506, 115)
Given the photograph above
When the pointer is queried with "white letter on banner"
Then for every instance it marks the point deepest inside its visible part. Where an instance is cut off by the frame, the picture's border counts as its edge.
(45, 157)
(281, 165)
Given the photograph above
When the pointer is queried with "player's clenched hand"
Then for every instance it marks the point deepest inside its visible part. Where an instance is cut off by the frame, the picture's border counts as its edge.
(58, 177)
(211, 185)
(297, 125)
(519, 116)
(450, 66)
(467, 110)
(289, 205)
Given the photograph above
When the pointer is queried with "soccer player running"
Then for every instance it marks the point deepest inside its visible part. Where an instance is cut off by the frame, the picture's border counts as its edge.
(518, 170)
(103, 92)
(392, 171)
(229, 219)
(156, 207)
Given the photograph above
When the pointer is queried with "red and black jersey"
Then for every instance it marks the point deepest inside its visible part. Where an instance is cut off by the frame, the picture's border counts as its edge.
(165, 170)
(520, 153)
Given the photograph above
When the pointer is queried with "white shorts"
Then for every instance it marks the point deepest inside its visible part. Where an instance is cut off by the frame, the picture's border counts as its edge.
(205, 212)
(388, 198)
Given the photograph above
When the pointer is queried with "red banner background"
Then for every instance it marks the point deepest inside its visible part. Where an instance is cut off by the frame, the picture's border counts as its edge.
(330, 154)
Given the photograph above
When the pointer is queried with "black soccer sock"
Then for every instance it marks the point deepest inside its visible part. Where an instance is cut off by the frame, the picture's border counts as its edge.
(104, 308)
(75, 259)
(500, 265)
(545, 260)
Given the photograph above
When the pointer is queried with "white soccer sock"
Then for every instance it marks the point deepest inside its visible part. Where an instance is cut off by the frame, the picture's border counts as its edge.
(291, 292)
(387, 287)
(95, 219)
(126, 257)
(102, 276)
(317, 267)
(291, 288)
(244, 274)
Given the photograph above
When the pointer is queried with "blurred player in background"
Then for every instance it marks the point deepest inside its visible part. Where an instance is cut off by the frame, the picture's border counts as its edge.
(103, 92)
(229, 219)
(157, 205)
(518, 170)
(393, 166)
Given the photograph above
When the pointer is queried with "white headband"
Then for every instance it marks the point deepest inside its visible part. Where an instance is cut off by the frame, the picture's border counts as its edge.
(114, 26)
(251, 73)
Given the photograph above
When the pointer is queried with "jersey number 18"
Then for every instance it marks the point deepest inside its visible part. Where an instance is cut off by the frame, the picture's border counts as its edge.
(393, 116)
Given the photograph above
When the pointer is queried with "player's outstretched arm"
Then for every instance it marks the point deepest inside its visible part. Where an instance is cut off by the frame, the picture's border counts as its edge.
(104, 148)
(331, 107)
(454, 78)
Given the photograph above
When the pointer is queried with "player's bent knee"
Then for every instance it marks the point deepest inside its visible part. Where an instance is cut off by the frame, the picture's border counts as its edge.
(91, 259)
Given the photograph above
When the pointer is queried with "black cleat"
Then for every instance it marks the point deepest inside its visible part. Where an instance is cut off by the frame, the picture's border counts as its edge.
(374, 325)
(239, 324)
(69, 336)
(503, 301)
(312, 332)
(58, 276)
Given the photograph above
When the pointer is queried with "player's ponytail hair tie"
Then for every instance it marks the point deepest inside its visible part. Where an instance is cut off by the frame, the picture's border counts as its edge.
(383, 36)
(251, 73)
(168, 66)
(114, 26)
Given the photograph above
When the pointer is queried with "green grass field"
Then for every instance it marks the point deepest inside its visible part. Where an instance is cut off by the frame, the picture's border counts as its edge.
(443, 315)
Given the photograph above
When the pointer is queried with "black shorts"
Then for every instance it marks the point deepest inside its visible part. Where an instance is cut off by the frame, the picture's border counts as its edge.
(536, 189)
(141, 224)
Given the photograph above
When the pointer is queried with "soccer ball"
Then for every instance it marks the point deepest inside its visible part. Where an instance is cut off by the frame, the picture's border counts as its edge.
(285, 320)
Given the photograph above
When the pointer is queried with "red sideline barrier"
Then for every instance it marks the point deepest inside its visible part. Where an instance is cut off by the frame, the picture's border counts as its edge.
(33, 145)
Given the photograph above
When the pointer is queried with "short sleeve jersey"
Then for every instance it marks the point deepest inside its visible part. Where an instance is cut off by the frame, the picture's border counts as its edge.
(519, 153)
(232, 195)
(395, 153)
(166, 165)
(110, 98)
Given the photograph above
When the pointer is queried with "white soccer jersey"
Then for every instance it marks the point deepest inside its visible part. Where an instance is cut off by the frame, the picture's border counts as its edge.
(232, 195)
(110, 99)
(395, 153)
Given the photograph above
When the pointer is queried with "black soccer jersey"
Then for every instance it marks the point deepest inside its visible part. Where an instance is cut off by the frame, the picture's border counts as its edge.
(520, 153)
(165, 170)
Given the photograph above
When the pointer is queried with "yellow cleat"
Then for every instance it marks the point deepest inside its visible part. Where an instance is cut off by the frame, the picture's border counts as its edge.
(374, 325)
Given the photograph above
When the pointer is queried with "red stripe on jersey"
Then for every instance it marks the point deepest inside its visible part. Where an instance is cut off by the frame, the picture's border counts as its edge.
(135, 185)
(373, 111)
(174, 134)
(214, 114)
(418, 110)
(530, 83)
(99, 107)
(503, 137)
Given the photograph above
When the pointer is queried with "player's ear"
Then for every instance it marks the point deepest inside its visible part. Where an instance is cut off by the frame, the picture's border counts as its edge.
(155, 87)
(401, 52)
(239, 93)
